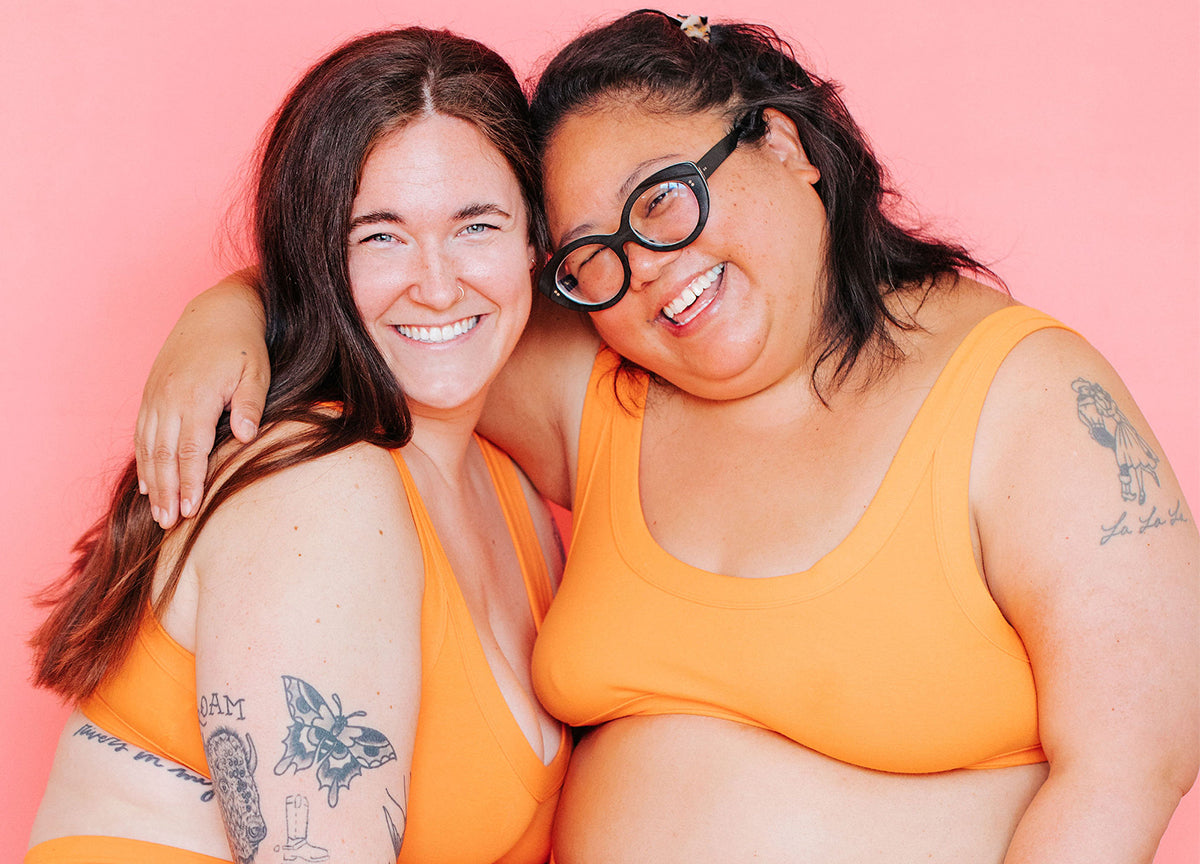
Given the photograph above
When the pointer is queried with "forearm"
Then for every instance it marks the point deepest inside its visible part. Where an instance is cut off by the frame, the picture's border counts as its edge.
(1110, 818)
(215, 357)
(233, 302)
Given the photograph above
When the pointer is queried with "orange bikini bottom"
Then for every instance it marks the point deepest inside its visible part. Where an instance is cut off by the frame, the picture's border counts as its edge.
(112, 850)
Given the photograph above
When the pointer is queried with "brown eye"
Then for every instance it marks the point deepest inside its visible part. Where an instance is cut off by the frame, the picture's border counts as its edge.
(665, 213)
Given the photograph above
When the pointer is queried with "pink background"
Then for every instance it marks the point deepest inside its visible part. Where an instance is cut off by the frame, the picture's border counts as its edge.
(1059, 137)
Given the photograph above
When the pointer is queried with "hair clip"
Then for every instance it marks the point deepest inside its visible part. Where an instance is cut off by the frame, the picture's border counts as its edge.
(695, 26)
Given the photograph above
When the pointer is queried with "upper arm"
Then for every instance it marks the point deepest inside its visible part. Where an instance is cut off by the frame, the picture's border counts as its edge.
(1091, 553)
(534, 406)
(308, 656)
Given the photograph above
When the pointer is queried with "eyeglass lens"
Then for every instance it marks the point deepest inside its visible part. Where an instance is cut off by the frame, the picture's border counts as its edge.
(662, 215)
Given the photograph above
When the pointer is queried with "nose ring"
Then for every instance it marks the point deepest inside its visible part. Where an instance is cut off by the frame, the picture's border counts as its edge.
(462, 292)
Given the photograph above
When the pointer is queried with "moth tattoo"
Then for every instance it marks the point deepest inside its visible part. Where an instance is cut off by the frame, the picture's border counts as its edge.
(321, 736)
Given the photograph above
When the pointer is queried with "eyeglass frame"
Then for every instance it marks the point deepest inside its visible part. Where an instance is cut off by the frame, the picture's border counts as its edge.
(694, 174)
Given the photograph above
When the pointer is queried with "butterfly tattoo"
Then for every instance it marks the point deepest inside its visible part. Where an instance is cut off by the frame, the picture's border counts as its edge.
(321, 736)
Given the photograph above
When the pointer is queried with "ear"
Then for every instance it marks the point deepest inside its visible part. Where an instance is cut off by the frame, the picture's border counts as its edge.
(783, 141)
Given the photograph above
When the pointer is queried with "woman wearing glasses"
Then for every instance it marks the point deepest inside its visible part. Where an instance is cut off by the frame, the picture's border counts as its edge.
(848, 579)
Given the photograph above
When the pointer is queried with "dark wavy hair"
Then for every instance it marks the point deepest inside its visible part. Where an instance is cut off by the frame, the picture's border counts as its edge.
(745, 68)
(311, 163)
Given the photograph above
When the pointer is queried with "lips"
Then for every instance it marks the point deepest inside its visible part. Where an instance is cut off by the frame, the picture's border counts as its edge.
(686, 306)
(437, 335)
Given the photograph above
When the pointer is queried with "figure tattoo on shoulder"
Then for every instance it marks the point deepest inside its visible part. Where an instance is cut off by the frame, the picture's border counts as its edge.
(321, 736)
(232, 762)
(1135, 460)
(1110, 428)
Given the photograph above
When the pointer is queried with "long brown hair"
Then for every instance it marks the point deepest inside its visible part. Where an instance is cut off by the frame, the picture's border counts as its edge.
(320, 351)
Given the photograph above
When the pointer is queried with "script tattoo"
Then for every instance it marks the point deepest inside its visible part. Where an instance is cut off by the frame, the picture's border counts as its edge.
(1118, 528)
(319, 735)
(1154, 519)
(233, 763)
(1110, 428)
(117, 745)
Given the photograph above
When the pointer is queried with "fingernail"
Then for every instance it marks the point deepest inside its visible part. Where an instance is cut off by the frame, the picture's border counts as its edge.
(185, 507)
(141, 486)
(248, 428)
(156, 513)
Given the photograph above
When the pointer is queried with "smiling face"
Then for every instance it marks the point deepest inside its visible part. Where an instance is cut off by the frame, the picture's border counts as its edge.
(731, 313)
(439, 261)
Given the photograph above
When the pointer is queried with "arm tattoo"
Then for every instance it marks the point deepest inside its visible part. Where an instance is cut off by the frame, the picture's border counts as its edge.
(297, 847)
(320, 735)
(1110, 428)
(117, 745)
(397, 835)
(232, 763)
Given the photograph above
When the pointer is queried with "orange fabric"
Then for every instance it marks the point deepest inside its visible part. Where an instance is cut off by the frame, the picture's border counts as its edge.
(112, 850)
(478, 793)
(888, 653)
(151, 700)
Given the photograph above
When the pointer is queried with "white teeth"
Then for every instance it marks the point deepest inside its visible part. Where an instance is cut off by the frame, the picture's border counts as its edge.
(699, 285)
(435, 335)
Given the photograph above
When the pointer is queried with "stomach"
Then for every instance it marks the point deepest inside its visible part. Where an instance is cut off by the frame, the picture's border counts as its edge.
(678, 788)
(101, 785)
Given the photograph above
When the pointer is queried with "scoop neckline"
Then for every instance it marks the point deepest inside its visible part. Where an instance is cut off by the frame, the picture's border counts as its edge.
(654, 565)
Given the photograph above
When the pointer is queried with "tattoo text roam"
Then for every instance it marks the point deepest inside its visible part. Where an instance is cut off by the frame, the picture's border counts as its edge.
(219, 705)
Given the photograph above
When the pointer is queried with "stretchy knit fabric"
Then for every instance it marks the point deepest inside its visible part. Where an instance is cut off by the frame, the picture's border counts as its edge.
(479, 792)
(112, 850)
(888, 653)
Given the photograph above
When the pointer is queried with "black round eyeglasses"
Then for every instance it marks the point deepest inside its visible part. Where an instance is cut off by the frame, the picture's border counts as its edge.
(666, 211)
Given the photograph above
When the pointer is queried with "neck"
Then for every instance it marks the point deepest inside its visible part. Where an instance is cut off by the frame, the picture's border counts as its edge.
(443, 441)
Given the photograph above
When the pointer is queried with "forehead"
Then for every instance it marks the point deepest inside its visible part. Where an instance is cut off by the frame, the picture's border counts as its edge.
(592, 155)
(435, 157)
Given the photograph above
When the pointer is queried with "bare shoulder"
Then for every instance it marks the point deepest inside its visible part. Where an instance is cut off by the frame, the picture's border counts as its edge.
(946, 312)
(1088, 544)
(1062, 436)
(347, 508)
(535, 404)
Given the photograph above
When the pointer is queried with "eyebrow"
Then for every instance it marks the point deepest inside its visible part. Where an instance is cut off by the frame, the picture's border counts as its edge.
(376, 217)
(481, 209)
(636, 176)
(470, 211)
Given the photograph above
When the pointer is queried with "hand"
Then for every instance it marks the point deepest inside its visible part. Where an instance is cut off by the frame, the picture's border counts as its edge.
(214, 357)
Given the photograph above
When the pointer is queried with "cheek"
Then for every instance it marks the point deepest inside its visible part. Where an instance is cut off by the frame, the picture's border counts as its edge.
(369, 299)
(502, 273)
(369, 285)
(621, 330)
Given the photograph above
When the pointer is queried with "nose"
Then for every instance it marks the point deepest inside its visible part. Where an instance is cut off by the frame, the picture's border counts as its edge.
(435, 284)
(645, 265)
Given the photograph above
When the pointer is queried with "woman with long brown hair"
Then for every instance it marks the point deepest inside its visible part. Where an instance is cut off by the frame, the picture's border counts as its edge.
(341, 638)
